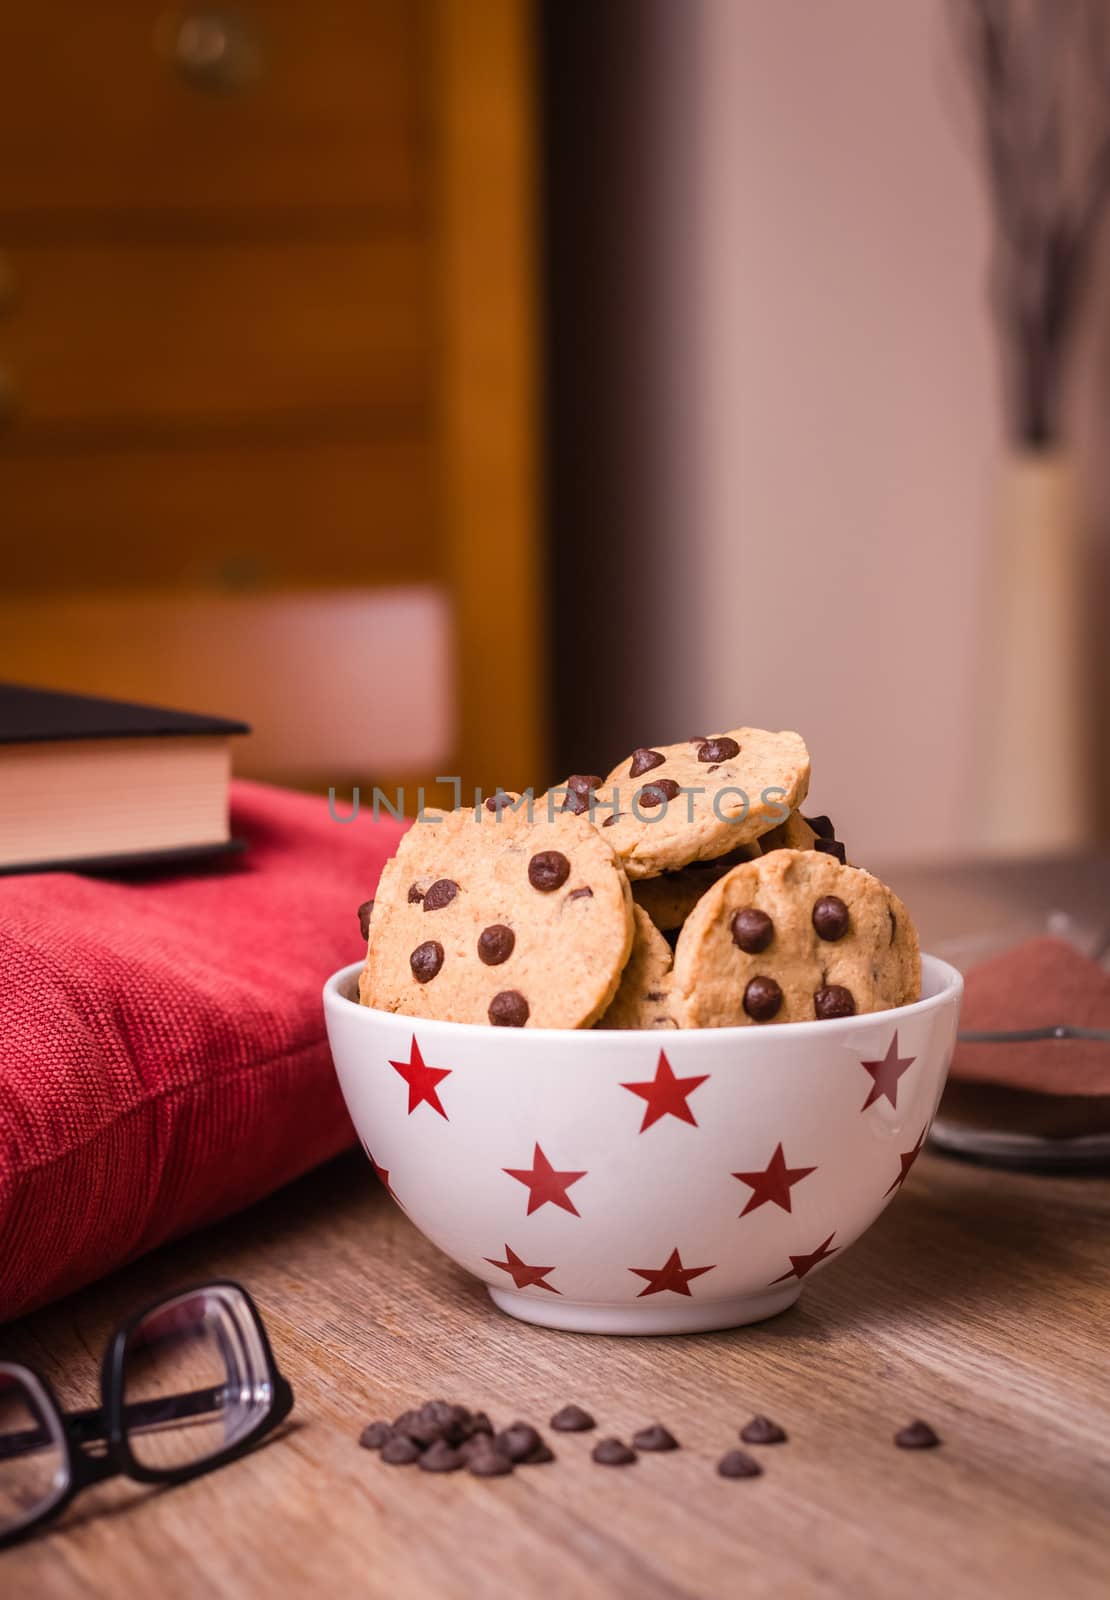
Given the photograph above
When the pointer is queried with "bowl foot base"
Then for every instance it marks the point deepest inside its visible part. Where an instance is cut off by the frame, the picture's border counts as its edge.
(679, 1315)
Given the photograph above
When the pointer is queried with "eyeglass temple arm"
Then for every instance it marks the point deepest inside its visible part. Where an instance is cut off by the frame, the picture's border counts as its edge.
(89, 1426)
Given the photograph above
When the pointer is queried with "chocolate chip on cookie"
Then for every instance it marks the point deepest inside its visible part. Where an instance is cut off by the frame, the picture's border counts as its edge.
(718, 749)
(752, 930)
(440, 894)
(416, 894)
(365, 912)
(834, 1000)
(654, 794)
(821, 826)
(495, 944)
(644, 760)
(762, 999)
(548, 870)
(426, 960)
(581, 894)
(832, 847)
(830, 917)
(509, 1009)
(497, 802)
(579, 787)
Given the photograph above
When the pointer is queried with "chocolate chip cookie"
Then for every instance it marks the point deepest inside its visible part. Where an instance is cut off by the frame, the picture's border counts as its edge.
(643, 999)
(495, 916)
(794, 937)
(701, 799)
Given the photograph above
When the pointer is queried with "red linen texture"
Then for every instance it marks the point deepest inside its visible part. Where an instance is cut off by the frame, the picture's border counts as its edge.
(163, 1060)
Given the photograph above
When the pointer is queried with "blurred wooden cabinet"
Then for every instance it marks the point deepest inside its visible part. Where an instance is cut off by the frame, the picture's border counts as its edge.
(267, 325)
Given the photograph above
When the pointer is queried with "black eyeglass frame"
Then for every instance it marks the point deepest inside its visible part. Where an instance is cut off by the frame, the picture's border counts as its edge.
(111, 1420)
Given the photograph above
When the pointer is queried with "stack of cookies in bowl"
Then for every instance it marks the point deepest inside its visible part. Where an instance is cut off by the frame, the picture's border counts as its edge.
(684, 890)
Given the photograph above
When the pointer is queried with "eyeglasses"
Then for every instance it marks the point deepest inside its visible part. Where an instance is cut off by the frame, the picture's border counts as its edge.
(187, 1384)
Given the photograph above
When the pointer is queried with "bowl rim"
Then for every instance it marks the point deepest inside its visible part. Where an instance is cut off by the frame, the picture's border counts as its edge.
(947, 978)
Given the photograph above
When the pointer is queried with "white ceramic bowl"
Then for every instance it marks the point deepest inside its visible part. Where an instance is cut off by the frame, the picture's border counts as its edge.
(590, 1191)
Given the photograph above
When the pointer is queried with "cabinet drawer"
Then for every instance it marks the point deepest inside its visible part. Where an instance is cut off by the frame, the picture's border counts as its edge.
(124, 108)
(147, 337)
(235, 515)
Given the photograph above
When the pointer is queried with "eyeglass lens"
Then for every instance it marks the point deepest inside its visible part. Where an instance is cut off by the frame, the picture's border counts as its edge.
(195, 1379)
(33, 1459)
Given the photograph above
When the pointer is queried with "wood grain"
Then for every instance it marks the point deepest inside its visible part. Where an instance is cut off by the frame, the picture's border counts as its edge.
(489, 408)
(149, 338)
(98, 122)
(300, 509)
(978, 1301)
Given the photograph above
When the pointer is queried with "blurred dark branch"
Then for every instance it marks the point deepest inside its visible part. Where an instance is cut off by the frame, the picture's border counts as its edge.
(1039, 72)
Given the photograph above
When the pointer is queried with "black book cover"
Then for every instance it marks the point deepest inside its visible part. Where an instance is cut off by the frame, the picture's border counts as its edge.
(36, 716)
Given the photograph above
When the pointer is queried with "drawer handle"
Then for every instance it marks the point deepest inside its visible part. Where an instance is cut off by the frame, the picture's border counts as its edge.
(214, 50)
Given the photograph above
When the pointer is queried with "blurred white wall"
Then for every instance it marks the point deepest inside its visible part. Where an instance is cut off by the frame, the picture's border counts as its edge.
(814, 502)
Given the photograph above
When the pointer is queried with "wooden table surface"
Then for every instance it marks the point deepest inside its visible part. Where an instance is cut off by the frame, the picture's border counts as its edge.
(979, 1301)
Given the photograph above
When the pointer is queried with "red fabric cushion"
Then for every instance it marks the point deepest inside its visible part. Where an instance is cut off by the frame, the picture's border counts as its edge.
(162, 1049)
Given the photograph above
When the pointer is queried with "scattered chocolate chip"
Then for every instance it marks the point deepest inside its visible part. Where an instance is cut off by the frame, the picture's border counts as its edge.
(833, 1001)
(495, 944)
(762, 999)
(655, 1438)
(374, 1435)
(609, 821)
(832, 847)
(441, 894)
(579, 787)
(518, 1441)
(488, 1463)
(761, 1430)
(440, 1457)
(365, 912)
(416, 894)
(917, 1436)
(548, 870)
(821, 826)
(539, 1456)
(719, 749)
(426, 960)
(581, 894)
(572, 1419)
(644, 760)
(478, 1425)
(739, 1464)
(830, 917)
(654, 794)
(509, 1009)
(400, 1451)
(612, 1453)
(497, 802)
(752, 930)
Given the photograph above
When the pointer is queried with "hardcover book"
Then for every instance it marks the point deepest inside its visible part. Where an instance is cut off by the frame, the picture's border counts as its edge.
(96, 784)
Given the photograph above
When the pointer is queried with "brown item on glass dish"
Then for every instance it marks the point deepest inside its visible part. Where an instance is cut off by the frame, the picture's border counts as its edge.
(1030, 1079)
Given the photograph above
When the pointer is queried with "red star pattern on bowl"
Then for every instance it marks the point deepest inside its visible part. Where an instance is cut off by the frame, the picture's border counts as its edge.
(666, 1095)
(773, 1184)
(598, 1181)
(545, 1185)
